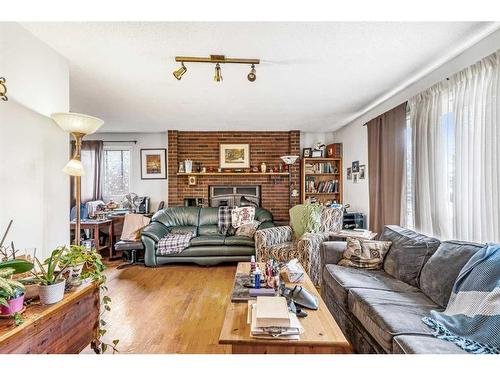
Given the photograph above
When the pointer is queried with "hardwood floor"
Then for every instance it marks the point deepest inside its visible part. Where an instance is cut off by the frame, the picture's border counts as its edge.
(170, 309)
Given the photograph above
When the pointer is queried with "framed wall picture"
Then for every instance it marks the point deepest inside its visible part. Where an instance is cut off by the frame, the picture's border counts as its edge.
(362, 172)
(349, 173)
(192, 180)
(355, 166)
(153, 163)
(306, 152)
(234, 156)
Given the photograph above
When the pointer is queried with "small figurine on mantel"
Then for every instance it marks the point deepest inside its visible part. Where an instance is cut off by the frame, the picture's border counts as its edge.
(263, 167)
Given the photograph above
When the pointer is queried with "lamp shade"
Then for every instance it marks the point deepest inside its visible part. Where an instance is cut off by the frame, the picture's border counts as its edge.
(74, 167)
(289, 159)
(77, 123)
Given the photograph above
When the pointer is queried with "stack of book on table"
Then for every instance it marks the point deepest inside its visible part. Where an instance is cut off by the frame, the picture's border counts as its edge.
(269, 318)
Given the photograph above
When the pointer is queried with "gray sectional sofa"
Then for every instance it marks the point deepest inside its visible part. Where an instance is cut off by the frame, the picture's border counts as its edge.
(381, 311)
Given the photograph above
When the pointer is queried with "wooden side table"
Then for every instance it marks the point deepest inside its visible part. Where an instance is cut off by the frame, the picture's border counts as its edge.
(96, 226)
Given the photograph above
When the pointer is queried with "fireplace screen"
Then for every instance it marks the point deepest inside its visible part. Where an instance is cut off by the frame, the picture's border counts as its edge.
(238, 195)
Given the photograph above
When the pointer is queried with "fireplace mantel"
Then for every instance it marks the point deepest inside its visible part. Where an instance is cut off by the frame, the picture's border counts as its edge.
(235, 174)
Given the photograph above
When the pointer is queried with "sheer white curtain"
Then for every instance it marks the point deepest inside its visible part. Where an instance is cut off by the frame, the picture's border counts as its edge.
(455, 166)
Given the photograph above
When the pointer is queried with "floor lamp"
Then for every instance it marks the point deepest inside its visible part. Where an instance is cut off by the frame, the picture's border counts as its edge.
(78, 126)
(290, 160)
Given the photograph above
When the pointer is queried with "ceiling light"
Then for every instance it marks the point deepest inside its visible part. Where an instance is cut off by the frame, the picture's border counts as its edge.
(216, 59)
(180, 72)
(251, 76)
(218, 74)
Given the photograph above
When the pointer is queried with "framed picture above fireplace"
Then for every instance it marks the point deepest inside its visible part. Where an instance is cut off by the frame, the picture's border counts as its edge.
(234, 155)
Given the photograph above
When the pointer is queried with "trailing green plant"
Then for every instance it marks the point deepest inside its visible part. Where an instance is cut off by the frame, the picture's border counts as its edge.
(50, 272)
(94, 270)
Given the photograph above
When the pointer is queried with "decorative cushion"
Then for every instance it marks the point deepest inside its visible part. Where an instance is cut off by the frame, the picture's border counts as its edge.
(450, 257)
(296, 220)
(312, 217)
(365, 254)
(408, 253)
(248, 230)
(242, 215)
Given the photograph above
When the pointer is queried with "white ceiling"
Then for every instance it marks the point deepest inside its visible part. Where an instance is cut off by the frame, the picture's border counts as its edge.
(312, 76)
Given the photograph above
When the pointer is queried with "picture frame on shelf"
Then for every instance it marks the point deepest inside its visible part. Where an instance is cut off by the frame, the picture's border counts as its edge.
(234, 156)
(362, 172)
(317, 153)
(306, 152)
(153, 163)
(355, 166)
(349, 173)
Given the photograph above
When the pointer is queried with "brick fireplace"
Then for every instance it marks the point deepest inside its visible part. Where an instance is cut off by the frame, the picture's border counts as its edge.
(203, 147)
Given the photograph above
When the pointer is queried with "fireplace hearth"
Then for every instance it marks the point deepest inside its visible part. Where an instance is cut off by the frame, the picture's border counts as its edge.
(234, 195)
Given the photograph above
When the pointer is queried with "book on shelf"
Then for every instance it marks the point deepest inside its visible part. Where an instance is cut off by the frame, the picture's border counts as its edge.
(322, 167)
(313, 186)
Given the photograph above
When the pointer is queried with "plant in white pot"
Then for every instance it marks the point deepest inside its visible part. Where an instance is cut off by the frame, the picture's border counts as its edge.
(49, 274)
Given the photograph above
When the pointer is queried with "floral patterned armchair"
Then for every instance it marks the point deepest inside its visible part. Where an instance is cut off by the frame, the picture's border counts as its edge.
(279, 243)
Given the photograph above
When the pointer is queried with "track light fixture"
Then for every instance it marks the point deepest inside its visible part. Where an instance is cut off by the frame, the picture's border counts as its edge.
(180, 72)
(217, 60)
(218, 74)
(251, 76)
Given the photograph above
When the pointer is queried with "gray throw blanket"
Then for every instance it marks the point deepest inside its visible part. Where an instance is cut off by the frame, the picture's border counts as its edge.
(472, 318)
(173, 243)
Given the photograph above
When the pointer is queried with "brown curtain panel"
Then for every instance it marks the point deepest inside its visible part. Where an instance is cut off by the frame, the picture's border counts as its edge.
(386, 166)
(91, 155)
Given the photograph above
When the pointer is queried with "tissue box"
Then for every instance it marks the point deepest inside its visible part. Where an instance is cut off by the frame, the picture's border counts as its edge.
(294, 272)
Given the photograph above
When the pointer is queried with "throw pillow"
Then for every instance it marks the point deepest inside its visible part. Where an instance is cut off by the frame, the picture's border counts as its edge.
(312, 218)
(367, 254)
(242, 215)
(296, 220)
(248, 230)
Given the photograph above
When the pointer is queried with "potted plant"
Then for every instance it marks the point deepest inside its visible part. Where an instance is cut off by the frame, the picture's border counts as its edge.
(52, 284)
(74, 258)
(11, 293)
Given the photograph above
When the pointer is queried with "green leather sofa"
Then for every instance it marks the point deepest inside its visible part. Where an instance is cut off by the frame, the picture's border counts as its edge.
(207, 247)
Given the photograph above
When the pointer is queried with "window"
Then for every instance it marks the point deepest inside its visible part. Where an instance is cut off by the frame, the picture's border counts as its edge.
(116, 172)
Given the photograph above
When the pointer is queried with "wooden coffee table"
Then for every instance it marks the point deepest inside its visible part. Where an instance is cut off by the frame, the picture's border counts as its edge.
(321, 332)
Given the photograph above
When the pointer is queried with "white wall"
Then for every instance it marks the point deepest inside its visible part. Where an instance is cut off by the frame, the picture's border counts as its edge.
(309, 139)
(37, 76)
(354, 141)
(156, 189)
(33, 190)
(354, 135)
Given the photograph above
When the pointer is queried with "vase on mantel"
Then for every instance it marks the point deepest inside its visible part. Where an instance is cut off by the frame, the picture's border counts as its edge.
(263, 167)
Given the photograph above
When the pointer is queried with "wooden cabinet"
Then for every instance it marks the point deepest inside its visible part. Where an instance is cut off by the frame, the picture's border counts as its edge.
(321, 180)
(65, 327)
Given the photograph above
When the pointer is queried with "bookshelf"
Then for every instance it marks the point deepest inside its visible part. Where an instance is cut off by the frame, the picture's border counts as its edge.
(321, 179)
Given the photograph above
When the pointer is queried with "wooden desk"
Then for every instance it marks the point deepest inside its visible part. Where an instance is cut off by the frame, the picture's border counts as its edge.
(95, 227)
(321, 332)
(64, 327)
